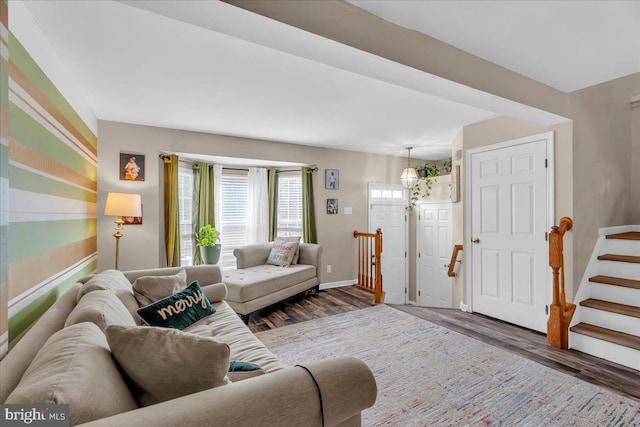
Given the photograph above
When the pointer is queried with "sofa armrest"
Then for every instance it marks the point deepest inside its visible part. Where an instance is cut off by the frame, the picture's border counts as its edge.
(216, 292)
(252, 255)
(311, 254)
(286, 397)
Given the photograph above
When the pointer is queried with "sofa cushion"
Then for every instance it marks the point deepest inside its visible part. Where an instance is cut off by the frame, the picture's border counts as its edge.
(75, 367)
(102, 308)
(164, 364)
(225, 326)
(116, 282)
(255, 282)
(149, 289)
(178, 310)
(283, 251)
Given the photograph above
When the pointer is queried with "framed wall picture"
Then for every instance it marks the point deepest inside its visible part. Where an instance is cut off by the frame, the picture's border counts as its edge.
(331, 179)
(332, 206)
(131, 167)
(133, 220)
(455, 183)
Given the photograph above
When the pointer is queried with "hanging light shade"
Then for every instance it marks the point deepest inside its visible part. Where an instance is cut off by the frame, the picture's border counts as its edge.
(409, 176)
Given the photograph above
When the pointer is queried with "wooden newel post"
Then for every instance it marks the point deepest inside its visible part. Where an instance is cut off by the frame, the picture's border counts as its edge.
(560, 312)
(377, 295)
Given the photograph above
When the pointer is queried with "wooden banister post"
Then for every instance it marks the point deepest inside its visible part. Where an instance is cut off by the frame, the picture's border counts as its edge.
(560, 312)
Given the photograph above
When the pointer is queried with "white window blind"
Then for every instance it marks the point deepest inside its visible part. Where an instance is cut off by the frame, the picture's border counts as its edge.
(289, 205)
(185, 196)
(233, 216)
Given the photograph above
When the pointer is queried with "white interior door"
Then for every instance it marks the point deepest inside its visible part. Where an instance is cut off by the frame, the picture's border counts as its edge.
(509, 219)
(391, 219)
(434, 252)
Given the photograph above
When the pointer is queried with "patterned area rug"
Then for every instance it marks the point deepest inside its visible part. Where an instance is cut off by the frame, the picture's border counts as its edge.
(428, 375)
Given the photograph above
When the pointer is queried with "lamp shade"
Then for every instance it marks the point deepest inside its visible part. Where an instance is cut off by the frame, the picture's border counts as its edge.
(123, 204)
(409, 177)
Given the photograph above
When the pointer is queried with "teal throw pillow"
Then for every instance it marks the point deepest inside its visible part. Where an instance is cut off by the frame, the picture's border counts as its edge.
(236, 366)
(178, 310)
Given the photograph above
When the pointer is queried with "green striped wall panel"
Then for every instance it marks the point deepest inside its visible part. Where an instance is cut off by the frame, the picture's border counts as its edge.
(25, 317)
(4, 175)
(42, 124)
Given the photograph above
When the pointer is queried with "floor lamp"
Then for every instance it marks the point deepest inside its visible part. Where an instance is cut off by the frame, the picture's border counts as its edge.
(122, 204)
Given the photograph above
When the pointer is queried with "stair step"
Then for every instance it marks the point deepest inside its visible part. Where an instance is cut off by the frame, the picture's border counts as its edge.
(617, 281)
(627, 310)
(619, 258)
(616, 337)
(631, 235)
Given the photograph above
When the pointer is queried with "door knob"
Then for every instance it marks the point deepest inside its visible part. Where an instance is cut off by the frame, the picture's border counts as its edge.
(475, 240)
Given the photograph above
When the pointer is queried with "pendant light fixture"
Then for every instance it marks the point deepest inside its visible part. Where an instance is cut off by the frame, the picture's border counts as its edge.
(409, 176)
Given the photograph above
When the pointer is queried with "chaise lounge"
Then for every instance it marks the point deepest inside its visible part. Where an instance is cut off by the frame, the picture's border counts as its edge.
(255, 284)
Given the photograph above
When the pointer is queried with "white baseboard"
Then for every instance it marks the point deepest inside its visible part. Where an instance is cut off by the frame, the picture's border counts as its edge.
(338, 284)
(463, 306)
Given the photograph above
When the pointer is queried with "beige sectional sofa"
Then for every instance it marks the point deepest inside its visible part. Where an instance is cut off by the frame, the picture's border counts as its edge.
(330, 393)
(255, 285)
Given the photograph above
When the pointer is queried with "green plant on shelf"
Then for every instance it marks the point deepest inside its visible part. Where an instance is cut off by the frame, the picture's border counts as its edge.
(422, 188)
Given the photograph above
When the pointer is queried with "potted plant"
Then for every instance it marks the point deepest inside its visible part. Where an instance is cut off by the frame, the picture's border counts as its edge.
(426, 173)
(206, 239)
(447, 165)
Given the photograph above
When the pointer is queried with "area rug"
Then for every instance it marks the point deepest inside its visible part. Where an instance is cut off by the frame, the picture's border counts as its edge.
(428, 375)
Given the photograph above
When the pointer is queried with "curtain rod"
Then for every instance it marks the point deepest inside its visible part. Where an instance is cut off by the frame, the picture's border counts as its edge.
(166, 157)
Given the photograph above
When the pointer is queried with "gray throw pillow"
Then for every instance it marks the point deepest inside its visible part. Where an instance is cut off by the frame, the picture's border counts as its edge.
(75, 367)
(149, 289)
(164, 363)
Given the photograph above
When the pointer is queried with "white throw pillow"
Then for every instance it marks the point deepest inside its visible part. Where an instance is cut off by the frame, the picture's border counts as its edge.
(283, 251)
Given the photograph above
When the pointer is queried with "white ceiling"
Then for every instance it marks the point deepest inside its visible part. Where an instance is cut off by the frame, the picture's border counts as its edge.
(568, 45)
(211, 67)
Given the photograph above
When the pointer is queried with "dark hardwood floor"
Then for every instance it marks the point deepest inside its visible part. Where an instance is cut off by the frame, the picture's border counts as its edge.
(312, 306)
(524, 342)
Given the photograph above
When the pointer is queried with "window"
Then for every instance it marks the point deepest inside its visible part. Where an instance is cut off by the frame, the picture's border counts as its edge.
(289, 205)
(235, 186)
(185, 196)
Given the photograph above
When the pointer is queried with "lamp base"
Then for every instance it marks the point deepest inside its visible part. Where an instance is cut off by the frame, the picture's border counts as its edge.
(118, 234)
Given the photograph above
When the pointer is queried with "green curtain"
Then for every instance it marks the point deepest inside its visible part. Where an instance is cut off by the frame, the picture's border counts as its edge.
(308, 212)
(272, 176)
(201, 203)
(171, 211)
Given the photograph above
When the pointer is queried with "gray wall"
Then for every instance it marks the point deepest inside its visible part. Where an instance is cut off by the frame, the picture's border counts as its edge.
(602, 161)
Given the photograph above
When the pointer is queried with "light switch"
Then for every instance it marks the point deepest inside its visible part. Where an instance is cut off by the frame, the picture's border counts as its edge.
(348, 211)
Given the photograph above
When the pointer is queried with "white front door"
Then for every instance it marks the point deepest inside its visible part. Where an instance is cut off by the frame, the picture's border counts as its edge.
(434, 253)
(391, 219)
(509, 219)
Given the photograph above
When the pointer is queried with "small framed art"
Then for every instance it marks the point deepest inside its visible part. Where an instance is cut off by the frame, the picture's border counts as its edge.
(331, 179)
(131, 167)
(332, 206)
(455, 184)
(133, 220)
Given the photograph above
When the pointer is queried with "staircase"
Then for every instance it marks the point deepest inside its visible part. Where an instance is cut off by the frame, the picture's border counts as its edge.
(606, 323)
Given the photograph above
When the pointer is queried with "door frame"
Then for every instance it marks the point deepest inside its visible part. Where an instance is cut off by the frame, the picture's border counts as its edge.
(549, 136)
(419, 237)
(392, 202)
